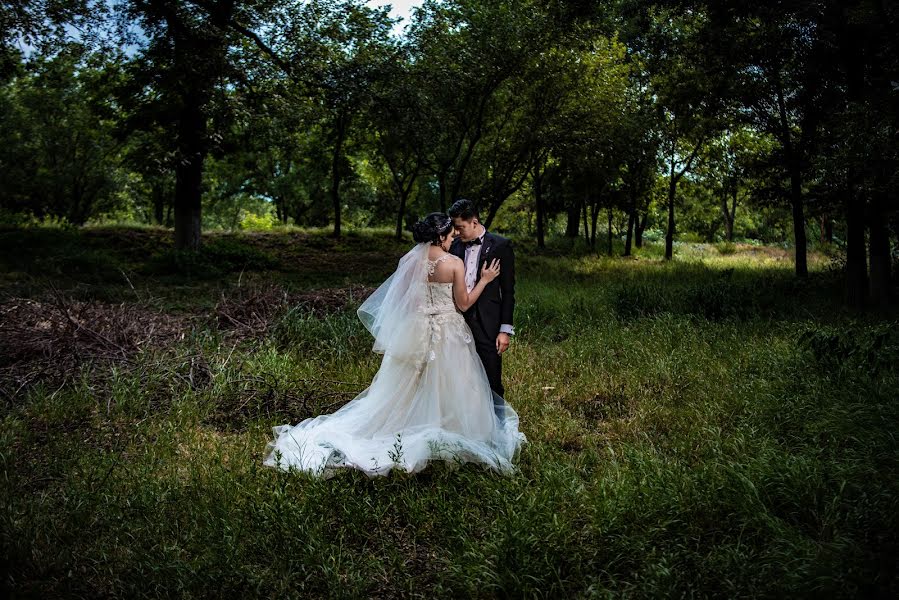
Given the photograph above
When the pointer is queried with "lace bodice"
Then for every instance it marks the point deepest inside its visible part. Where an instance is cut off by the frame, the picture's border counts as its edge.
(443, 316)
(432, 264)
(440, 298)
(440, 295)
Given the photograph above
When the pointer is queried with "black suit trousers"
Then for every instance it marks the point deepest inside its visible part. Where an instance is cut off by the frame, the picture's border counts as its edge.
(485, 345)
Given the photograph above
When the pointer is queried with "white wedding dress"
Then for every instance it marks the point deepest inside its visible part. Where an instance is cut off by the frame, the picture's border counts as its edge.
(430, 398)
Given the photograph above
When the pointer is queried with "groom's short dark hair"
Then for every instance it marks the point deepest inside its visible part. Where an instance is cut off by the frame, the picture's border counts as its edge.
(464, 209)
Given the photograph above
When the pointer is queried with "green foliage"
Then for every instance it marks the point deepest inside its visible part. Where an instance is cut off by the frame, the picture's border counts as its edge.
(714, 295)
(253, 221)
(58, 252)
(58, 153)
(21, 218)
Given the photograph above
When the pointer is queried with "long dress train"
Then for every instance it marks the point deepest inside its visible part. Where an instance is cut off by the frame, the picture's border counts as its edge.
(433, 404)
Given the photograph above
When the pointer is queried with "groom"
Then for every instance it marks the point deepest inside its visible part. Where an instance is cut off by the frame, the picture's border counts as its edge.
(490, 318)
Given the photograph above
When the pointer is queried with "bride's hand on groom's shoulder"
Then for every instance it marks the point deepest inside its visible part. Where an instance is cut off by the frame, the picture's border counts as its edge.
(491, 271)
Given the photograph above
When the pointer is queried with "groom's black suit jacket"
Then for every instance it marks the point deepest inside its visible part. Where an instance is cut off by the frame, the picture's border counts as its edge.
(496, 304)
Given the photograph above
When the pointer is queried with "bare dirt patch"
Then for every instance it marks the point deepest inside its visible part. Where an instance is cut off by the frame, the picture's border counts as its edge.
(249, 312)
(48, 340)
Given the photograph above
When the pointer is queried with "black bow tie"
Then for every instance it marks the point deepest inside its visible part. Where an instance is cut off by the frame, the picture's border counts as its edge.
(474, 242)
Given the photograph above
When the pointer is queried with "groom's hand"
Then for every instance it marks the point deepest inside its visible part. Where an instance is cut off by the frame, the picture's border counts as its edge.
(502, 342)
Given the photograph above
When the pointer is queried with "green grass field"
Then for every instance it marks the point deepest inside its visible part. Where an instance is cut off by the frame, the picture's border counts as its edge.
(704, 427)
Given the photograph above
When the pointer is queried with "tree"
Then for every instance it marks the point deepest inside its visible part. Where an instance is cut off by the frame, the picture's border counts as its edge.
(726, 169)
(818, 73)
(177, 71)
(463, 53)
(59, 156)
(396, 123)
(692, 90)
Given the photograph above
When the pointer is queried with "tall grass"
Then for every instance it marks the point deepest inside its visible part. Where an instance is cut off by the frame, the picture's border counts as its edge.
(707, 427)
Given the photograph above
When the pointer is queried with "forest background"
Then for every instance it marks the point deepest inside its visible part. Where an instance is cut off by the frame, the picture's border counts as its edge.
(675, 121)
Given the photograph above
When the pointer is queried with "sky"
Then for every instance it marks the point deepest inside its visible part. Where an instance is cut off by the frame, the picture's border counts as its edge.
(399, 8)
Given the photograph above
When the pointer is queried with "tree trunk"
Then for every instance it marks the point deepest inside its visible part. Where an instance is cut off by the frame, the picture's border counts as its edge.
(441, 193)
(728, 215)
(586, 223)
(856, 267)
(538, 197)
(158, 192)
(826, 229)
(798, 221)
(574, 215)
(337, 170)
(630, 230)
(794, 167)
(192, 48)
(733, 214)
(594, 217)
(404, 190)
(669, 234)
(609, 233)
(881, 262)
(189, 174)
(640, 228)
(491, 213)
(399, 216)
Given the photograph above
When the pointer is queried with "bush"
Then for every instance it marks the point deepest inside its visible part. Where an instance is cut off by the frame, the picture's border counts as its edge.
(690, 237)
(715, 297)
(252, 221)
(214, 258)
(726, 247)
(653, 235)
(86, 264)
(232, 255)
(13, 219)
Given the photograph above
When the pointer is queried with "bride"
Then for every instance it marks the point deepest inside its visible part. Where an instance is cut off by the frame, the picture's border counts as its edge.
(430, 398)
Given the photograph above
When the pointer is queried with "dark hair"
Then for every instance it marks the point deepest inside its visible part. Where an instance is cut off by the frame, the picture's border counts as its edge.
(464, 209)
(432, 228)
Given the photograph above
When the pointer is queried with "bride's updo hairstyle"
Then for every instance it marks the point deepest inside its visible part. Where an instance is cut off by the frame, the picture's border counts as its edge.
(432, 228)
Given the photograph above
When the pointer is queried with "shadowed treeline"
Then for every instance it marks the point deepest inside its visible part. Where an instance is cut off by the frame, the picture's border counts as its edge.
(688, 121)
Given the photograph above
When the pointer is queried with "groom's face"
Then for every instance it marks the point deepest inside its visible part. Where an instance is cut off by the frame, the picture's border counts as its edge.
(467, 230)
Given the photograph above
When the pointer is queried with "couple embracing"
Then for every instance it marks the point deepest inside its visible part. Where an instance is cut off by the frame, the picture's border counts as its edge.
(442, 321)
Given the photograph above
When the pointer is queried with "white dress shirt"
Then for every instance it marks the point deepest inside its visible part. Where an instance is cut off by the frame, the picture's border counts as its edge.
(471, 272)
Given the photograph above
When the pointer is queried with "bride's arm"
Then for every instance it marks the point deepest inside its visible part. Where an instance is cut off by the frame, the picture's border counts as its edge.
(463, 298)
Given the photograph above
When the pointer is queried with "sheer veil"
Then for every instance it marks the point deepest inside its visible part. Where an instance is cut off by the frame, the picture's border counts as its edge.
(395, 312)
